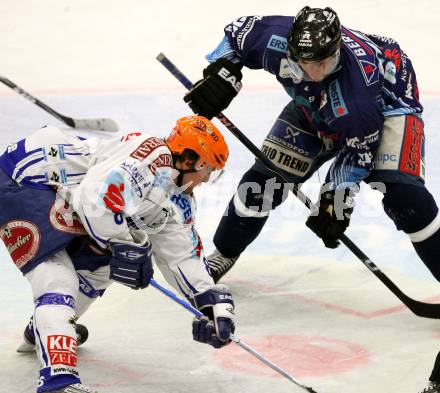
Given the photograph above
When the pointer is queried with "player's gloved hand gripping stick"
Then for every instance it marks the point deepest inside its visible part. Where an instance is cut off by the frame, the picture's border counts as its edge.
(420, 309)
(131, 264)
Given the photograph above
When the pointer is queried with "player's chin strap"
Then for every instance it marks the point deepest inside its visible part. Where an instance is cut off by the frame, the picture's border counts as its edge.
(179, 179)
(233, 337)
(182, 172)
(421, 309)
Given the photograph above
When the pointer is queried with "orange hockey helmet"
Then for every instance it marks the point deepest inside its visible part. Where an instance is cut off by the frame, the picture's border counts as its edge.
(198, 134)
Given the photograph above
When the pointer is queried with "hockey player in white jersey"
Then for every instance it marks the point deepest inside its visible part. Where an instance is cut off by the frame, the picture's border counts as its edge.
(132, 199)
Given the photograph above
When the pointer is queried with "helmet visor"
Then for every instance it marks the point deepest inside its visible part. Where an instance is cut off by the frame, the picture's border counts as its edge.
(305, 70)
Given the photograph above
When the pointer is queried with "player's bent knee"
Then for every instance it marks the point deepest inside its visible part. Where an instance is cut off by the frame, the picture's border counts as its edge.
(414, 211)
(55, 275)
(412, 208)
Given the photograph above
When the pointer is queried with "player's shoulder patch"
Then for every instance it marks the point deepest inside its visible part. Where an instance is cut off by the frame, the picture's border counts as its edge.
(146, 147)
(364, 51)
(241, 27)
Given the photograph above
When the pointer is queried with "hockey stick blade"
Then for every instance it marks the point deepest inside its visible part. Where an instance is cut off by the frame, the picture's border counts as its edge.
(86, 124)
(421, 309)
(234, 338)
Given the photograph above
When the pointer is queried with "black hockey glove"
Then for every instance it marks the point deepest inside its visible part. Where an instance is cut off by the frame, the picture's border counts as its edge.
(131, 264)
(220, 84)
(332, 218)
(216, 326)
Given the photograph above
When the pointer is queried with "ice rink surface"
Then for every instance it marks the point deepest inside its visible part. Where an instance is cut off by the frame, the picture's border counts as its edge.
(319, 314)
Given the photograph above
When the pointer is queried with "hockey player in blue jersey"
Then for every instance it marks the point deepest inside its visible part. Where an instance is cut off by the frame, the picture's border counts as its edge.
(130, 199)
(354, 100)
(434, 378)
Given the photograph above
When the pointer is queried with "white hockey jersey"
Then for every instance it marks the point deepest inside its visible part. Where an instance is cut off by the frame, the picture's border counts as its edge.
(123, 192)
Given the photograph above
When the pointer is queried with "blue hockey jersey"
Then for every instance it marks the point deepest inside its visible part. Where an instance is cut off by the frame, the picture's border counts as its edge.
(374, 79)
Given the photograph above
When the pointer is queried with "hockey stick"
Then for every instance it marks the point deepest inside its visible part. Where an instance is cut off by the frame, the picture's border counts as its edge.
(87, 124)
(421, 309)
(233, 337)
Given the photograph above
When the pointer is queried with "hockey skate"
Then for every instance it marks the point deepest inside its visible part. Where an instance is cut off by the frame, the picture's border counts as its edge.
(76, 388)
(219, 265)
(433, 387)
(28, 344)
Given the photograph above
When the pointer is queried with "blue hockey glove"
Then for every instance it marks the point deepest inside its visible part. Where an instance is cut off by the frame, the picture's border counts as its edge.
(220, 84)
(332, 218)
(216, 326)
(131, 264)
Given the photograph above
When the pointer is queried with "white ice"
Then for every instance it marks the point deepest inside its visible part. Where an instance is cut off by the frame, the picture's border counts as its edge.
(320, 314)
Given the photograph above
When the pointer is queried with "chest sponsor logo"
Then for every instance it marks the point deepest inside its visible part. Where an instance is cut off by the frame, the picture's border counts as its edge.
(22, 240)
(336, 99)
(286, 159)
(146, 148)
(138, 181)
(277, 43)
(184, 205)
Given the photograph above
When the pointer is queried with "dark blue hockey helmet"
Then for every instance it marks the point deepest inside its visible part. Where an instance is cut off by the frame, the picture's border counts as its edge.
(315, 34)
